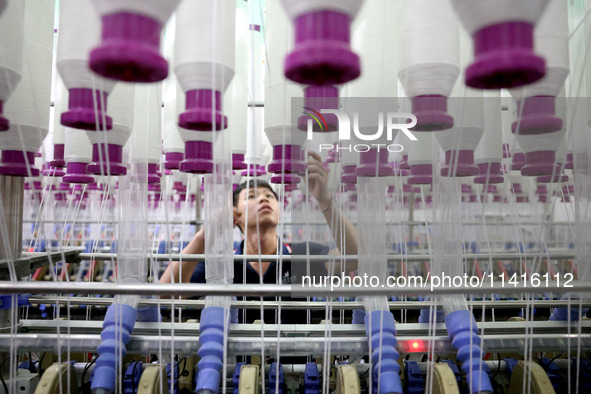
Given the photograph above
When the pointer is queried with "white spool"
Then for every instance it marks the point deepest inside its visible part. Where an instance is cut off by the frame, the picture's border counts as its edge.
(295, 8)
(79, 32)
(155, 9)
(237, 100)
(122, 112)
(490, 148)
(428, 30)
(172, 141)
(78, 148)
(60, 105)
(204, 47)
(146, 124)
(420, 151)
(11, 47)
(476, 14)
(28, 109)
(280, 123)
(468, 113)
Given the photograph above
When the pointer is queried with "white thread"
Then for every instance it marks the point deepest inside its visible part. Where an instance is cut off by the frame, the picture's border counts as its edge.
(295, 8)
(547, 141)
(28, 109)
(159, 10)
(507, 117)
(121, 110)
(78, 148)
(490, 148)
(146, 124)
(78, 33)
(476, 14)
(237, 100)
(421, 150)
(171, 139)
(204, 46)
(11, 47)
(428, 30)
(278, 37)
(60, 105)
(468, 122)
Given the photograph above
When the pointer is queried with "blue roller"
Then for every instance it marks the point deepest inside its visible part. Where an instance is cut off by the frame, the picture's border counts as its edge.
(381, 331)
(274, 377)
(211, 352)
(311, 379)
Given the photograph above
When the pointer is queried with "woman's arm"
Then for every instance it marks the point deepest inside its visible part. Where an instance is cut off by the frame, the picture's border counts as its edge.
(173, 271)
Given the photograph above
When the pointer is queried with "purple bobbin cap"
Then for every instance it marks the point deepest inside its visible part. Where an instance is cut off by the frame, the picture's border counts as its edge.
(18, 163)
(198, 158)
(238, 161)
(466, 189)
(153, 176)
(459, 163)
(287, 159)
(52, 171)
(4, 123)
(404, 163)
(568, 189)
(504, 57)
(537, 116)
(254, 170)
(491, 189)
(58, 156)
(203, 111)
(421, 174)
(473, 198)
(431, 113)
(348, 175)
(291, 187)
(540, 163)
(374, 163)
(398, 170)
(317, 98)
(517, 161)
(569, 165)
(285, 179)
(130, 49)
(521, 199)
(86, 110)
(322, 52)
(172, 160)
(107, 159)
(556, 178)
(490, 173)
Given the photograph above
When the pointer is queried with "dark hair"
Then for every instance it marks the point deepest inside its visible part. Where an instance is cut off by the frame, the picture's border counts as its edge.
(250, 184)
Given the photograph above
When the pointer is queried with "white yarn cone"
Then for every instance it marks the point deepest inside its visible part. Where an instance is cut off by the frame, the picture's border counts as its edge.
(11, 50)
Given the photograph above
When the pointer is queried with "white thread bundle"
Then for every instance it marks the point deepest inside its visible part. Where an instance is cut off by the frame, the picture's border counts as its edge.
(490, 148)
(552, 41)
(256, 65)
(204, 45)
(121, 110)
(11, 47)
(546, 141)
(146, 123)
(60, 105)
(237, 101)
(78, 148)
(79, 32)
(295, 8)
(191, 135)
(428, 30)
(477, 14)
(280, 123)
(469, 123)
(421, 150)
(155, 9)
(172, 141)
(28, 109)
(506, 121)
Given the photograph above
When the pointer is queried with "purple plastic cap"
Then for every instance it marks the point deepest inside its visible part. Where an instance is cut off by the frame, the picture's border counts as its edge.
(473, 198)
(18, 163)
(521, 199)
(466, 189)
(317, 98)
(569, 165)
(198, 158)
(497, 198)
(556, 178)
(153, 176)
(107, 159)
(86, 110)
(491, 189)
(238, 161)
(203, 111)
(290, 187)
(517, 161)
(404, 163)
(130, 49)
(568, 189)
(172, 160)
(285, 179)
(322, 52)
(398, 170)
(254, 170)
(537, 116)
(506, 151)
(431, 113)
(460, 165)
(489, 173)
(348, 175)
(287, 159)
(53, 171)
(58, 156)
(421, 174)
(504, 57)
(4, 123)
(374, 163)
(540, 163)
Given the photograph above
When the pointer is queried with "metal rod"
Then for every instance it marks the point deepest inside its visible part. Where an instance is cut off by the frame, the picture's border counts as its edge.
(194, 289)
(312, 305)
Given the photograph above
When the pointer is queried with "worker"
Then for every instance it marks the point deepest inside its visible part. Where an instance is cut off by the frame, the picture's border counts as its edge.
(256, 212)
